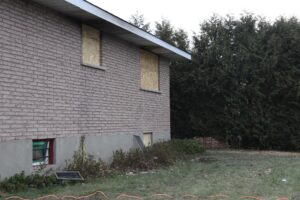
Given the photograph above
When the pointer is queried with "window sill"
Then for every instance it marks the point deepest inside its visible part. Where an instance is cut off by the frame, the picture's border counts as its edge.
(152, 91)
(94, 66)
(40, 164)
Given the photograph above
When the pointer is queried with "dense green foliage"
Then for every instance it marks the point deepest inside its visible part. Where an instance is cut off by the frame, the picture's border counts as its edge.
(20, 182)
(86, 164)
(88, 167)
(138, 160)
(139, 21)
(186, 147)
(243, 85)
(158, 155)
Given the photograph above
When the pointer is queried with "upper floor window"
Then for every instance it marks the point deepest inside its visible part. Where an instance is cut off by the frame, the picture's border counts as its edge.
(90, 46)
(149, 71)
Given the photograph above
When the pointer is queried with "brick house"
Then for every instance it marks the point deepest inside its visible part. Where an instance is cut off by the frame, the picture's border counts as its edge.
(69, 68)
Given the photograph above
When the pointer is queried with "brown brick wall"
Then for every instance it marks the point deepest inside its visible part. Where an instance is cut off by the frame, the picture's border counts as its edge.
(46, 92)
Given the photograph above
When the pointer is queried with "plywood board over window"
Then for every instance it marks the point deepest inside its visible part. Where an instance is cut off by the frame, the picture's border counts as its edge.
(90, 46)
(149, 71)
(147, 139)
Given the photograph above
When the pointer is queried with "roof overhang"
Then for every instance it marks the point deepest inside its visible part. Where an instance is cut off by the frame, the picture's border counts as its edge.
(109, 23)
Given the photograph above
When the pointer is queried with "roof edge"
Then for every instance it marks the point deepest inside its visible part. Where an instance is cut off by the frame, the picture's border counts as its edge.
(105, 15)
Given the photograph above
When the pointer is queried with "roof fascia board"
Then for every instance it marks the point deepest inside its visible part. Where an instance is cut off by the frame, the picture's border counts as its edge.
(90, 8)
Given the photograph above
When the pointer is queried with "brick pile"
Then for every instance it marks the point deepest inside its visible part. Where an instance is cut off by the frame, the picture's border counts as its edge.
(211, 143)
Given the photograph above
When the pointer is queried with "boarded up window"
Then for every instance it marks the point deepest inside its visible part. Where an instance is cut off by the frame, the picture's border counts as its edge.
(90, 46)
(149, 71)
(147, 139)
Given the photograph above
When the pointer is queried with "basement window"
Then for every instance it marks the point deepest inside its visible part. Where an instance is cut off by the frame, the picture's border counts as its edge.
(42, 152)
(149, 71)
(147, 139)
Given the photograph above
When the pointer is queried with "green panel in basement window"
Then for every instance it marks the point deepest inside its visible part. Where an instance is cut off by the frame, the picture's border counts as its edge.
(39, 151)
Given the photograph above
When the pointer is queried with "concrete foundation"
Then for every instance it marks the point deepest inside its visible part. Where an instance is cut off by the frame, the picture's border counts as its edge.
(16, 156)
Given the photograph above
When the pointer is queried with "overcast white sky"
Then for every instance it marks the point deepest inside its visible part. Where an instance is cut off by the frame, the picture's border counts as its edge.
(188, 14)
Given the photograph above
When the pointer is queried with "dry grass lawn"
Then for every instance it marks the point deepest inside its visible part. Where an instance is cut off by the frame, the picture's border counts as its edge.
(268, 175)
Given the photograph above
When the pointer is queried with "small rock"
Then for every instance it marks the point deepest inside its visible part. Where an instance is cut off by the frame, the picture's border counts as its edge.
(130, 174)
(268, 171)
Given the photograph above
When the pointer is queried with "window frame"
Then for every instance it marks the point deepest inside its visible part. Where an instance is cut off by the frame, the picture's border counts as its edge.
(49, 160)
